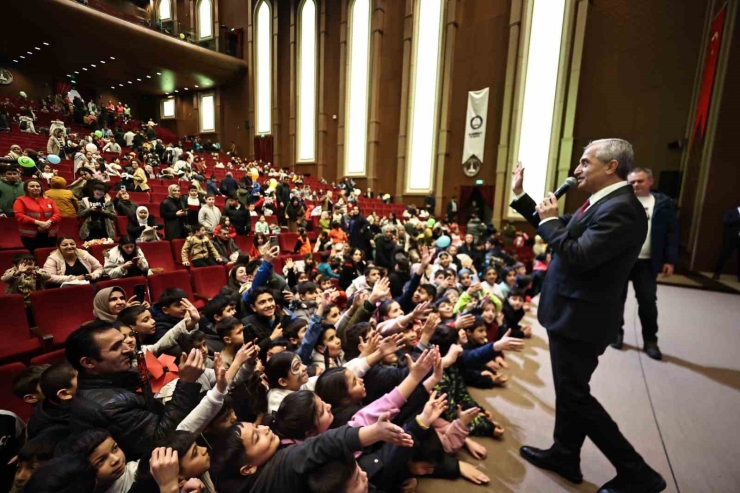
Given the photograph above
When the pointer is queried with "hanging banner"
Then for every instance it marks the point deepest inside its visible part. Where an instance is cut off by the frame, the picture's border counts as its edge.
(475, 125)
(710, 67)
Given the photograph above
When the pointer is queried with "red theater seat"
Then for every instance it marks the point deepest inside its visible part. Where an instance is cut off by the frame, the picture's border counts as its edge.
(10, 238)
(127, 284)
(177, 279)
(49, 358)
(60, 312)
(287, 242)
(208, 281)
(158, 254)
(17, 341)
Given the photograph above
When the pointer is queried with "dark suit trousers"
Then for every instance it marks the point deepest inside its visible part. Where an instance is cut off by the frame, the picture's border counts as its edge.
(729, 244)
(645, 283)
(577, 413)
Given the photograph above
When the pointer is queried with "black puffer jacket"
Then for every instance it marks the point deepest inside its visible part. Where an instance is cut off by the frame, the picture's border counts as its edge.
(111, 403)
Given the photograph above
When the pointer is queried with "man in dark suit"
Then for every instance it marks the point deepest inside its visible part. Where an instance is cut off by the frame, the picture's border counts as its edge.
(581, 308)
(659, 253)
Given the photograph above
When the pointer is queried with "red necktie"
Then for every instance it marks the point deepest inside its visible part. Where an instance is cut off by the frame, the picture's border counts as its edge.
(584, 207)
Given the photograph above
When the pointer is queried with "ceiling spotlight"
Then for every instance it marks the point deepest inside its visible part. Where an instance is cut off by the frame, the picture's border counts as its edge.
(175, 90)
(76, 72)
(159, 73)
(102, 61)
(148, 76)
(112, 87)
(166, 94)
(112, 58)
(93, 65)
(139, 80)
(36, 47)
(130, 82)
(23, 57)
(69, 75)
(197, 86)
(84, 68)
(186, 88)
(29, 52)
(120, 85)
(16, 61)
(46, 44)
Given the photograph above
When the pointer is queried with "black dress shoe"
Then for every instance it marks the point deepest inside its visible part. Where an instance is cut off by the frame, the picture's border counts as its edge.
(652, 350)
(546, 459)
(618, 343)
(648, 482)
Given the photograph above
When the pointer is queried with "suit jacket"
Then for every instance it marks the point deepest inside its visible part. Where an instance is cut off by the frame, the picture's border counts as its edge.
(592, 257)
(664, 237)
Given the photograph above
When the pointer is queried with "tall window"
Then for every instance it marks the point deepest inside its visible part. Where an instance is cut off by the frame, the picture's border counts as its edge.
(307, 81)
(205, 19)
(539, 92)
(358, 82)
(424, 100)
(263, 55)
(165, 10)
(207, 105)
(168, 108)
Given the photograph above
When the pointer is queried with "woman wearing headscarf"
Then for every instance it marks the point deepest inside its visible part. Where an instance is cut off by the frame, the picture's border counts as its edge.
(56, 145)
(126, 260)
(108, 303)
(174, 214)
(294, 213)
(192, 203)
(38, 217)
(68, 263)
(138, 222)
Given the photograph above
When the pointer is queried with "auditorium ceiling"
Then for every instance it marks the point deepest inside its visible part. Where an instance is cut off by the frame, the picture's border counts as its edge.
(66, 39)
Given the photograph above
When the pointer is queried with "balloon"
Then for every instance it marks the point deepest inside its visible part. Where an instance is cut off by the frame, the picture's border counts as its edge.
(53, 159)
(91, 147)
(443, 241)
(23, 94)
(431, 222)
(98, 133)
(26, 162)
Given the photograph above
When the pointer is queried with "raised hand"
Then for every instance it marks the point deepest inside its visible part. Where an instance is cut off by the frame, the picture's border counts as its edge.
(381, 289)
(390, 344)
(467, 416)
(277, 332)
(421, 310)
(390, 433)
(218, 369)
(369, 346)
(508, 343)
(452, 354)
(517, 180)
(464, 322)
(165, 467)
(191, 366)
(433, 409)
(418, 369)
(269, 255)
(192, 311)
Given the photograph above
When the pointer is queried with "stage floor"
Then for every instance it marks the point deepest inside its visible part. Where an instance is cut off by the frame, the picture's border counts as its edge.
(682, 414)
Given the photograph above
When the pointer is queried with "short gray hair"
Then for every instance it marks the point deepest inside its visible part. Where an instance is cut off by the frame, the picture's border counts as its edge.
(647, 172)
(618, 150)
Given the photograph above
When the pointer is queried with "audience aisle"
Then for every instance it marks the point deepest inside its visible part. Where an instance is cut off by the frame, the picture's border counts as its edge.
(682, 410)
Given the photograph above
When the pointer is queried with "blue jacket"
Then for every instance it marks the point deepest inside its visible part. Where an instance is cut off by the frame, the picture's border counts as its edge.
(663, 232)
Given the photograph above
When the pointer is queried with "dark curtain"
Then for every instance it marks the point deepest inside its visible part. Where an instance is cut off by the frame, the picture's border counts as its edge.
(483, 197)
(263, 148)
(62, 87)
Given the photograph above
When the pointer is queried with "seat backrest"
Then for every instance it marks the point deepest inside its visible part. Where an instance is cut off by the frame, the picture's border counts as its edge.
(152, 208)
(287, 242)
(6, 258)
(177, 279)
(121, 225)
(158, 254)
(99, 251)
(127, 284)
(8, 373)
(10, 238)
(49, 358)
(60, 312)
(244, 242)
(42, 254)
(177, 244)
(140, 198)
(15, 324)
(69, 226)
(208, 281)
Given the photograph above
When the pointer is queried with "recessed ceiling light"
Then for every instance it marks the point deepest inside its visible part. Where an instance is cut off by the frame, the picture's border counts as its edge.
(112, 87)
(36, 47)
(84, 68)
(139, 80)
(46, 44)
(186, 88)
(16, 61)
(166, 94)
(148, 76)
(69, 75)
(76, 72)
(112, 58)
(102, 61)
(197, 86)
(175, 90)
(120, 85)
(159, 73)
(23, 57)
(30, 52)
(93, 65)
(130, 82)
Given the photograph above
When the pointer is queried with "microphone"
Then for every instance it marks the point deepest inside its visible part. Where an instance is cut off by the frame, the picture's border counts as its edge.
(563, 189)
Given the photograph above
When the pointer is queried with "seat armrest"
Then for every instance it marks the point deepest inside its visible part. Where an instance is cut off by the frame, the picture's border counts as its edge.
(47, 340)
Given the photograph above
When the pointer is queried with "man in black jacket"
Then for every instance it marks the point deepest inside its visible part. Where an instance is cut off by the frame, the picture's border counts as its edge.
(430, 202)
(659, 254)
(239, 215)
(581, 307)
(282, 195)
(107, 386)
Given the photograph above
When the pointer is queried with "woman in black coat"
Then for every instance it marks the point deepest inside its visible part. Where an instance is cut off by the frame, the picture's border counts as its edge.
(352, 268)
(174, 214)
